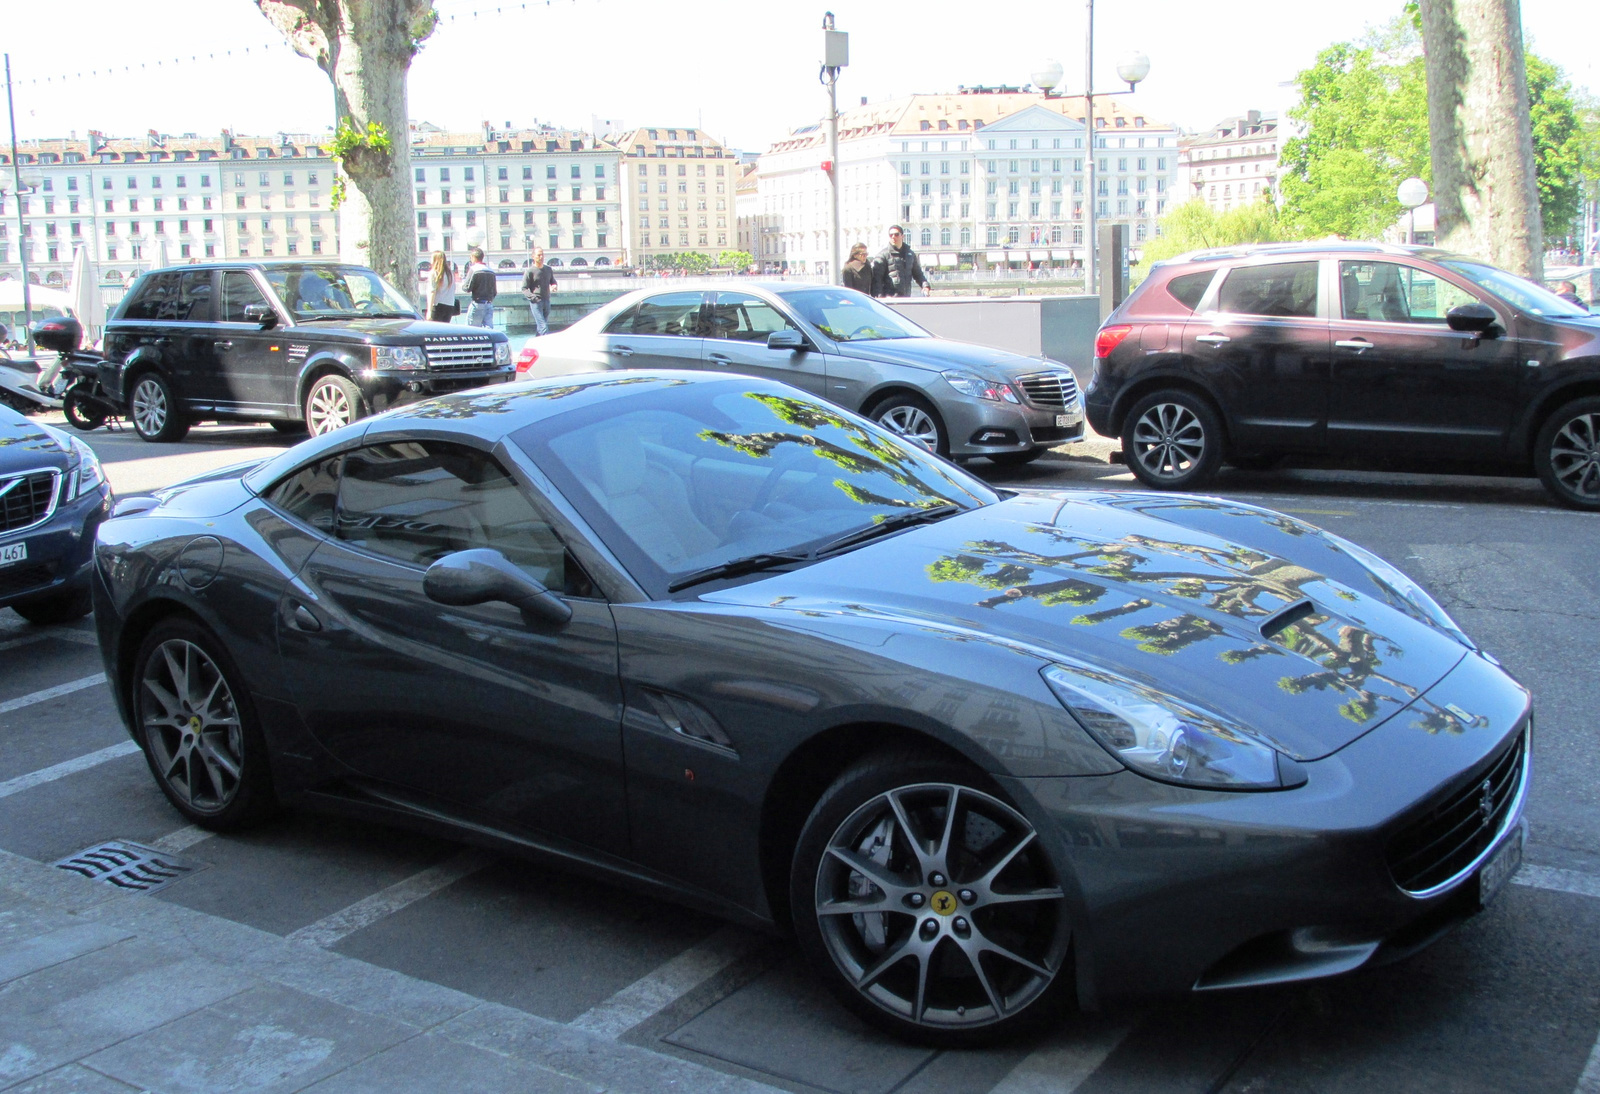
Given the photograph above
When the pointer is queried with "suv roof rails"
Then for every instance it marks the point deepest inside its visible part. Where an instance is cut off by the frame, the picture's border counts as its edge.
(1247, 250)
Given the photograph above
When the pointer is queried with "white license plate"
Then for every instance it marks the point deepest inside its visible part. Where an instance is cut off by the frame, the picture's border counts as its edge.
(13, 552)
(1493, 875)
(1063, 420)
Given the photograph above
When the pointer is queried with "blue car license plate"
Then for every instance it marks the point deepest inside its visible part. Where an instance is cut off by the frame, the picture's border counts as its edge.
(13, 552)
(1493, 874)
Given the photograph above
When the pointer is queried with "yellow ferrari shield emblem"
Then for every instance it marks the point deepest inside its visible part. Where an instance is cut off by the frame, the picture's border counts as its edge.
(943, 903)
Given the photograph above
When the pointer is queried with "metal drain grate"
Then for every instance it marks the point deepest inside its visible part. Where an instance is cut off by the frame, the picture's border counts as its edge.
(128, 865)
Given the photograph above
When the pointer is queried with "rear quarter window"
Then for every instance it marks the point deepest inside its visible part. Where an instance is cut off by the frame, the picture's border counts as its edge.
(1189, 289)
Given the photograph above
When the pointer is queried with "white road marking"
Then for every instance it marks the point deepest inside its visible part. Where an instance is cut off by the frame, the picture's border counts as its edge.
(1061, 1064)
(330, 929)
(51, 693)
(65, 768)
(181, 840)
(1557, 880)
(1589, 1081)
(657, 990)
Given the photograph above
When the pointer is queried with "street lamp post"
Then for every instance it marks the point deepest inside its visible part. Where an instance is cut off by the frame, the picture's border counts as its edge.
(22, 241)
(1412, 193)
(835, 56)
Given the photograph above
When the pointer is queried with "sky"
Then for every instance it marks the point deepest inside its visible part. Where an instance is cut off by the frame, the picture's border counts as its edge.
(743, 70)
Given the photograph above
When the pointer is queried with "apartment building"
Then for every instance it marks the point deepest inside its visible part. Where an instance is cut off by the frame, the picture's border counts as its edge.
(984, 176)
(1233, 163)
(677, 192)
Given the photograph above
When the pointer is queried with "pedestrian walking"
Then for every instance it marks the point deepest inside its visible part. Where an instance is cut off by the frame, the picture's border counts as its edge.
(897, 267)
(537, 285)
(858, 271)
(480, 285)
(441, 306)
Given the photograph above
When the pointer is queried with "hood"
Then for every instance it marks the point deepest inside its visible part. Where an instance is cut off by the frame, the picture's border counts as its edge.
(388, 331)
(939, 354)
(1256, 616)
(24, 445)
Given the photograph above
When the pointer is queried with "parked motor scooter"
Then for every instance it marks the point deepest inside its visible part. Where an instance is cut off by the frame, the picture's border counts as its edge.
(19, 383)
(75, 375)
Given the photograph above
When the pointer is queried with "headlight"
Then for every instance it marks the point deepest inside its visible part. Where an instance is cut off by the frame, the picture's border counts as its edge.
(502, 353)
(979, 388)
(1403, 587)
(398, 358)
(1157, 736)
(87, 474)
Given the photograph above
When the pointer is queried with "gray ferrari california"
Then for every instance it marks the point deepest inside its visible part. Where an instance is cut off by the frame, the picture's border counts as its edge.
(983, 752)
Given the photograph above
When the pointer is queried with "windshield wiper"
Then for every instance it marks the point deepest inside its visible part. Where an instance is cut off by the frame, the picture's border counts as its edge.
(891, 524)
(749, 564)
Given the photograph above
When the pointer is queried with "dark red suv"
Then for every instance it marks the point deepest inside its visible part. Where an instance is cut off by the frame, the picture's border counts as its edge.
(1251, 354)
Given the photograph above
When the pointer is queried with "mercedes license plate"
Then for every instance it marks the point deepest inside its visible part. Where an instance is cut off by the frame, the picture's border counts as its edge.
(1064, 420)
(13, 552)
(1493, 875)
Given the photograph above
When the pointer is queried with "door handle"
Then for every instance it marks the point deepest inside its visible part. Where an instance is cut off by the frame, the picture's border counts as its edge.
(622, 351)
(1357, 344)
(222, 345)
(720, 358)
(302, 619)
(1213, 339)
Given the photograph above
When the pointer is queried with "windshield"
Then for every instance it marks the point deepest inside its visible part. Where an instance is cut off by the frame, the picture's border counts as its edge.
(847, 316)
(1519, 293)
(681, 478)
(336, 292)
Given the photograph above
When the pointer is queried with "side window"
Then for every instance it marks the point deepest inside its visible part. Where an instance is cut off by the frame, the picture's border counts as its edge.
(673, 313)
(239, 291)
(1279, 289)
(417, 501)
(744, 318)
(1190, 289)
(193, 303)
(157, 295)
(1392, 293)
(623, 322)
(308, 495)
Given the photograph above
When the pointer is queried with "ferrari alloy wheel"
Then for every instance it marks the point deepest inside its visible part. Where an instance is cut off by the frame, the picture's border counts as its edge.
(1567, 454)
(1172, 440)
(933, 905)
(201, 744)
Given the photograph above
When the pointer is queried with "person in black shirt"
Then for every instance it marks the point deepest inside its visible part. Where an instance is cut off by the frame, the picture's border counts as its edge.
(858, 271)
(482, 288)
(537, 285)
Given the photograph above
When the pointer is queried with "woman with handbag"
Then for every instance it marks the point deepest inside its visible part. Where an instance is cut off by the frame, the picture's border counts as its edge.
(441, 302)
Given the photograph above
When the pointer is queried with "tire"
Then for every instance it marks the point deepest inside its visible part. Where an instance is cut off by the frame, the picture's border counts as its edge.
(80, 414)
(1173, 440)
(289, 429)
(198, 730)
(1567, 454)
(988, 969)
(1017, 459)
(62, 607)
(332, 402)
(154, 410)
(912, 415)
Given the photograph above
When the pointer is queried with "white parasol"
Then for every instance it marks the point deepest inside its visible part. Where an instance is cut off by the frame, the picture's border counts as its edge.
(86, 303)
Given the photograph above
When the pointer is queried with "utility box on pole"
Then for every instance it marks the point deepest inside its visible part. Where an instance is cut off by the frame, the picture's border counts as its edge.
(1113, 267)
(835, 49)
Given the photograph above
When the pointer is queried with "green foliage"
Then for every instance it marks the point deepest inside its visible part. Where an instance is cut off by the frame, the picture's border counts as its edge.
(1558, 146)
(1195, 225)
(359, 153)
(1366, 112)
(422, 28)
(336, 192)
(736, 260)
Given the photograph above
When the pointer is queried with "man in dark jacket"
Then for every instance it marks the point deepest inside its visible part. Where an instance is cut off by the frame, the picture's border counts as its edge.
(897, 268)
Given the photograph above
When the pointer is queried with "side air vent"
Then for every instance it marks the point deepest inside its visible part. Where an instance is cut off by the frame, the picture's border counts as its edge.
(1287, 618)
(689, 720)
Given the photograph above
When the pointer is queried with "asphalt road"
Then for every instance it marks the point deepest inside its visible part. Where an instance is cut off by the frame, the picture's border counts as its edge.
(1509, 1002)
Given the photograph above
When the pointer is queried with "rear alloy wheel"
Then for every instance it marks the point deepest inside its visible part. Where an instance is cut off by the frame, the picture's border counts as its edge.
(154, 410)
(912, 417)
(1172, 440)
(1567, 454)
(198, 732)
(929, 906)
(331, 403)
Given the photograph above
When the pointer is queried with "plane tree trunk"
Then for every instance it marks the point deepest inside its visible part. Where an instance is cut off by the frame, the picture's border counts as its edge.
(1481, 134)
(365, 47)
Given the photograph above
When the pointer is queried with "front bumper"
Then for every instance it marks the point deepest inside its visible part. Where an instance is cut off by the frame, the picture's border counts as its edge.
(60, 551)
(1178, 890)
(978, 427)
(383, 389)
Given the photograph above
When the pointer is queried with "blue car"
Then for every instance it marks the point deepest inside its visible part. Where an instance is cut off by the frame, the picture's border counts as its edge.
(53, 496)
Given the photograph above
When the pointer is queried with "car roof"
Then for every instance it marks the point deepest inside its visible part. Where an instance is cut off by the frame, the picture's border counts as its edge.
(254, 264)
(1309, 247)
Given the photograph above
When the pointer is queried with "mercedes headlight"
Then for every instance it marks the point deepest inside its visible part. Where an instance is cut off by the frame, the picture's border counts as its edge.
(1164, 739)
(977, 387)
(1403, 587)
(398, 358)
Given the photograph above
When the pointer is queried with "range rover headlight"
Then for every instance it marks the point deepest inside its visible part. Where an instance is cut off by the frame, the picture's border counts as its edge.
(979, 388)
(502, 353)
(398, 358)
(1161, 738)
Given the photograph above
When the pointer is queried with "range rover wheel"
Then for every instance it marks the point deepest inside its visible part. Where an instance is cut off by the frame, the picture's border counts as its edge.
(1567, 454)
(154, 410)
(1172, 440)
(928, 905)
(332, 402)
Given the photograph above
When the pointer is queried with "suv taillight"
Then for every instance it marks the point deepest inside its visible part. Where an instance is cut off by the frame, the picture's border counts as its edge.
(1109, 339)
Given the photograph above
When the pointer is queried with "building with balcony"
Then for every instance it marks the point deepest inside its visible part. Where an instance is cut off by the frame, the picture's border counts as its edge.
(1234, 163)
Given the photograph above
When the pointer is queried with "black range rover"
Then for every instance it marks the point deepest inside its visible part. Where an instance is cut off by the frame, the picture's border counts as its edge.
(303, 345)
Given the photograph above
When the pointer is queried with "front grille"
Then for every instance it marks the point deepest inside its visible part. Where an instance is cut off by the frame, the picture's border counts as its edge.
(26, 499)
(454, 352)
(1049, 390)
(1451, 832)
(19, 580)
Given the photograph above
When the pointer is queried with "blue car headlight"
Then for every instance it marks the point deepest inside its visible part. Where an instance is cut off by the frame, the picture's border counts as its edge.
(1162, 738)
(83, 472)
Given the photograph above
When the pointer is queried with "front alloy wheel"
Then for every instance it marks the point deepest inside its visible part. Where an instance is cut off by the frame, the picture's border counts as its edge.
(331, 403)
(910, 417)
(1172, 441)
(939, 913)
(1567, 454)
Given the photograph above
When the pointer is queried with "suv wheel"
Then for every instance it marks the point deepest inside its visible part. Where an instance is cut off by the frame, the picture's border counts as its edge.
(1567, 454)
(1172, 440)
(154, 410)
(332, 402)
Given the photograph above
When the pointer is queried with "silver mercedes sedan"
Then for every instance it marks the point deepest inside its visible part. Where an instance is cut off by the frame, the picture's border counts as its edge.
(957, 399)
